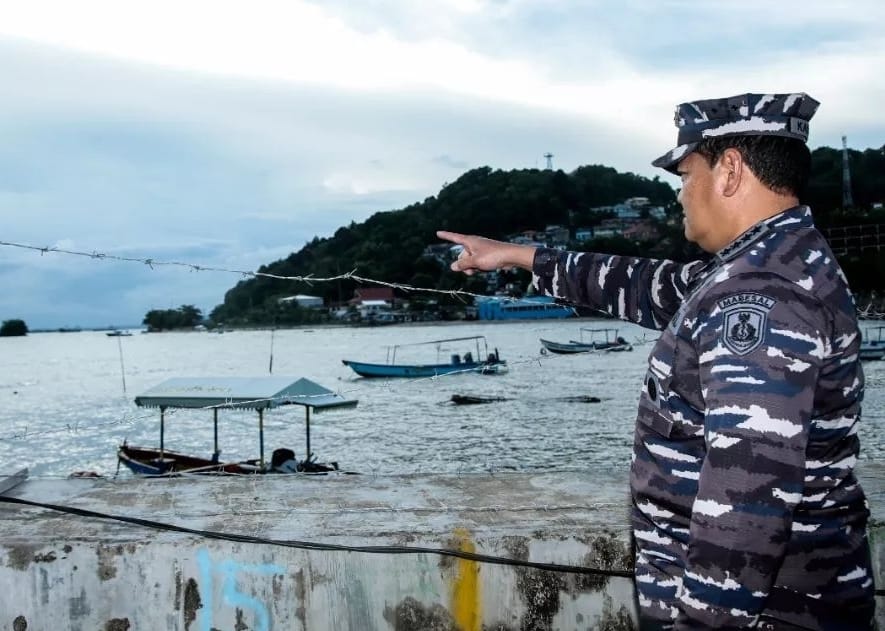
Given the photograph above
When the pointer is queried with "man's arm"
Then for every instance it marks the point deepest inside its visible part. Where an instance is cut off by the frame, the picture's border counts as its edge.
(645, 291)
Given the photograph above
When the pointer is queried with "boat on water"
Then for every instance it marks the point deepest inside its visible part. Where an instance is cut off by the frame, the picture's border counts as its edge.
(261, 394)
(118, 333)
(528, 308)
(484, 362)
(597, 340)
(872, 345)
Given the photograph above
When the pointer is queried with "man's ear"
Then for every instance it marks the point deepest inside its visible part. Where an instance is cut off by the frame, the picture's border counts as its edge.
(731, 172)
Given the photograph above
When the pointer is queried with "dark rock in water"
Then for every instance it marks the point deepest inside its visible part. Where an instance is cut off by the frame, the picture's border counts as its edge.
(581, 398)
(473, 399)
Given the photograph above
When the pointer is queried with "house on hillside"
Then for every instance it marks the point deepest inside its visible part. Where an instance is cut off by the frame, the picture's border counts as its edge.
(440, 252)
(383, 294)
(642, 231)
(556, 235)
(302, 300)
(627, 211)
(371, 302)
(608, 228)
(583, 234)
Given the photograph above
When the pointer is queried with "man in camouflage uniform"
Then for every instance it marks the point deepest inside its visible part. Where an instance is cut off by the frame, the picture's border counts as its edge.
(746, 511)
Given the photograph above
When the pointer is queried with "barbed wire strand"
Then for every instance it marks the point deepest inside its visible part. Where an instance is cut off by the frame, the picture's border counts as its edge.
(153, 263)
(864, 313)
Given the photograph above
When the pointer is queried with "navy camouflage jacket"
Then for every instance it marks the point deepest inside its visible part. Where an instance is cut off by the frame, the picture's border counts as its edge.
(746, 510)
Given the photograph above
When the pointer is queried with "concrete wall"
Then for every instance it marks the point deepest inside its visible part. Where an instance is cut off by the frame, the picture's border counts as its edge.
(65, 572)
(73, 573)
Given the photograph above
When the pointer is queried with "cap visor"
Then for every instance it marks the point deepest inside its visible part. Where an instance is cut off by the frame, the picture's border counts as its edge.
(672, 158)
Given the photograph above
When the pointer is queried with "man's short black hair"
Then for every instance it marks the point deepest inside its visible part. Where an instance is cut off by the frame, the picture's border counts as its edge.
(781, 164)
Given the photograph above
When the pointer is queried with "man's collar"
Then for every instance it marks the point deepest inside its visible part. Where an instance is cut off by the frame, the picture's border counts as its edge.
(795, 217)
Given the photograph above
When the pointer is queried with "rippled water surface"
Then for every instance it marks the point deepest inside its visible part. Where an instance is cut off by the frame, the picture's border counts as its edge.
(62, 404)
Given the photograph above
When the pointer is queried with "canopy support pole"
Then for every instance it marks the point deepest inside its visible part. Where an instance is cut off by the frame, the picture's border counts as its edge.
(215, 424)
(261, 435)
(307, 426)
(162, 430)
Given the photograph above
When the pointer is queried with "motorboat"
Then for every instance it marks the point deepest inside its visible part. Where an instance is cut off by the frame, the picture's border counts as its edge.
(483, 362)
(597, 340)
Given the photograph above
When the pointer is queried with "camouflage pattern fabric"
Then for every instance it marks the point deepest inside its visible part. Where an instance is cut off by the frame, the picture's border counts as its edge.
(746, 511)
(743, 115)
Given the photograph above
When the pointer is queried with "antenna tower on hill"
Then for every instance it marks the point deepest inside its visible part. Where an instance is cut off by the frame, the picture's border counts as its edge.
(847, 202)
(549, 157)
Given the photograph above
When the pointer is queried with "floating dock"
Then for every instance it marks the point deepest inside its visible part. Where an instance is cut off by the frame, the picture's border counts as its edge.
(504, 551)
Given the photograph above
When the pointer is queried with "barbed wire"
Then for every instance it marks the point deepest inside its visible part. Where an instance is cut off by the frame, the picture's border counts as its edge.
(866, 313)
(25, 433)
(195, 267)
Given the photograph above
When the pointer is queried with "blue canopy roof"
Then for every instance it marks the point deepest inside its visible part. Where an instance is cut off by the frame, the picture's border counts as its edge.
(251, 393)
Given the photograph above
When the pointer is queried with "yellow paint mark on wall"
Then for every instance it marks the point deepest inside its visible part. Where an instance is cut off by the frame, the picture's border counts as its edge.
(466, 602)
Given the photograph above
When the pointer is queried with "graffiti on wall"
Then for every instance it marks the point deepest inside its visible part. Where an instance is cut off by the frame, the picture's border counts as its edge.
(228, 572)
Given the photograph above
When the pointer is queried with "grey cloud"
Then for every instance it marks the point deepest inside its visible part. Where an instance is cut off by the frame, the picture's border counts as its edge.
(451, 162)
(234, 173)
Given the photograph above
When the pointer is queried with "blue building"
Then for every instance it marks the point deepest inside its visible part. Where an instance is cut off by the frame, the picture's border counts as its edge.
(530, 308)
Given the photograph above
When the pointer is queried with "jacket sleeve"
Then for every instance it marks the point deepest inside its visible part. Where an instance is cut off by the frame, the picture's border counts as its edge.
(761, 342)
(645, 291)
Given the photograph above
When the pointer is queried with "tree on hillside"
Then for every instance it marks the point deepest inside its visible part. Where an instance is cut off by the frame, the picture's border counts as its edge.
(185, 317)
(11, 328)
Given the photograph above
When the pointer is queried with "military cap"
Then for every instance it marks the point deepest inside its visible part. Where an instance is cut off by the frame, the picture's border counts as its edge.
(742, 115)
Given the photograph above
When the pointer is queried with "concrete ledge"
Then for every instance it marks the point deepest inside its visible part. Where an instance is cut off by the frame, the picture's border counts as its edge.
(61, 571)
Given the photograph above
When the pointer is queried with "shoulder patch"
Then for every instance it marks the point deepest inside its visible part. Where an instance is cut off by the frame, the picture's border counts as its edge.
(744, 321)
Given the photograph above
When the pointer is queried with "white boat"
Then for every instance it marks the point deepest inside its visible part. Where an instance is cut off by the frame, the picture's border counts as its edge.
(611, 343)
(484, 362)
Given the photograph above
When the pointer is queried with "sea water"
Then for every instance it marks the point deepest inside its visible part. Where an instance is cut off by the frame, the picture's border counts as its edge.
(67, 399)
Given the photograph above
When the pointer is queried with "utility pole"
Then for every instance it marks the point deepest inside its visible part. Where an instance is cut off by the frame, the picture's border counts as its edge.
(847, 201)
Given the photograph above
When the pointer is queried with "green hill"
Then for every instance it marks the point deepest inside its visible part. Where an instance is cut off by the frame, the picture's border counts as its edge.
(389, 246)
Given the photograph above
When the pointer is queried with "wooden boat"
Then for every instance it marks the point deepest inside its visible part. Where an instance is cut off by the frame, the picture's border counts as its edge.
(611, 343)
(872, 346)
(484, 362)
(260, 394)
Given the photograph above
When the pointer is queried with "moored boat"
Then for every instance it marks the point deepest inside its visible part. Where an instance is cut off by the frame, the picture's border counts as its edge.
(261, 394)
(484, 362)
(599, 340)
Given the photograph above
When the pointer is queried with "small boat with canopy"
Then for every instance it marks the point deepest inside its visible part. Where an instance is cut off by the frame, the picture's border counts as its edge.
(216, 394)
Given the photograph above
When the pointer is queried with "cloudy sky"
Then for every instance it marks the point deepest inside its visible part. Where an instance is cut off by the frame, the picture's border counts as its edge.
(229, 134)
